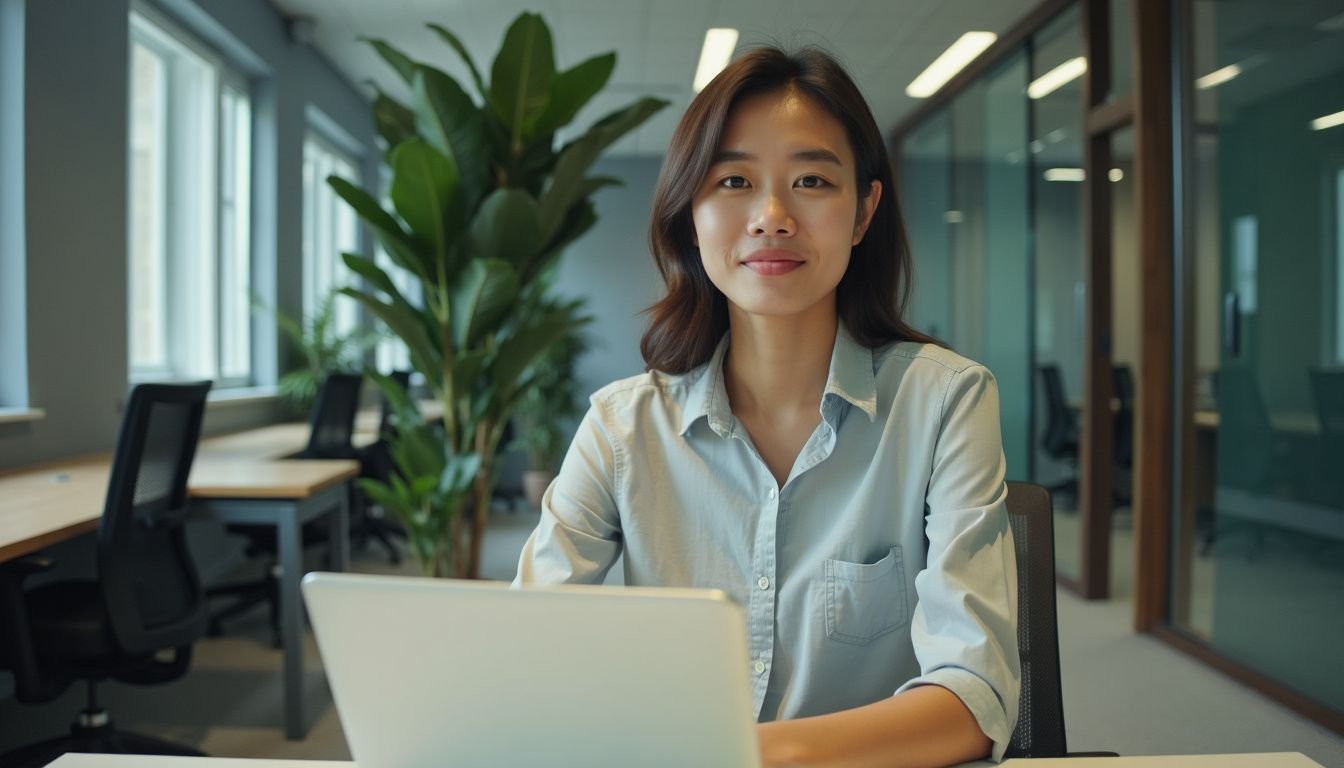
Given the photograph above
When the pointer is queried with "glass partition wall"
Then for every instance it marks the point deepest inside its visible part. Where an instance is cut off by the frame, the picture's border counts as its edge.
(1258, 543)
(1185, 289)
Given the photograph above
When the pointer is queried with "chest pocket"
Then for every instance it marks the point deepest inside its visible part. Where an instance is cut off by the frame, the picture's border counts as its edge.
(865, 601)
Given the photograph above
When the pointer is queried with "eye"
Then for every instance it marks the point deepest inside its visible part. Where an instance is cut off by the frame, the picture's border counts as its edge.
(733, 182)
(812, 182)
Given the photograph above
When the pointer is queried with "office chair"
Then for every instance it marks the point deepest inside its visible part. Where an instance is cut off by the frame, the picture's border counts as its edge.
(1327, 390)
(147, 597)
(1060, 440)
(375, 463)
(1040, 717)
(332, 422)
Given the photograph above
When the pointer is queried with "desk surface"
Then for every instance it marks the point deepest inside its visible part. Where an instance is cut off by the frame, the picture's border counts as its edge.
(49, 503)
(1265, 760)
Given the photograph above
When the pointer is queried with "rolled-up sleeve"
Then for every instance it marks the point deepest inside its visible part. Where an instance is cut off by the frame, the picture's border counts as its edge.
(964, 628)
(579, 535)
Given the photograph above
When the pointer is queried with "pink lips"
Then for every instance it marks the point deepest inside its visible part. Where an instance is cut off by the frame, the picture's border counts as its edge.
(772, 261)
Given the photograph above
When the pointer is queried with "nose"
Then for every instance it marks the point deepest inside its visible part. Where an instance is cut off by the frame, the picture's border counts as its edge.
(772, 218)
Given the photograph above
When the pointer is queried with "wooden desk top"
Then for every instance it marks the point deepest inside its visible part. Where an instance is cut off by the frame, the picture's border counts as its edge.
(50, 503)
(282, 479)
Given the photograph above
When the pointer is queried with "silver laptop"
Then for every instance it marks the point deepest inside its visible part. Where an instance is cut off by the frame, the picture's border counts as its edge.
(432, 672)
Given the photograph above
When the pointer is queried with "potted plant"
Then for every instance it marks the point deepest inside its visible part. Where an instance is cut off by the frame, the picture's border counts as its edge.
(547, 410)
(483, 201)
(323, 349)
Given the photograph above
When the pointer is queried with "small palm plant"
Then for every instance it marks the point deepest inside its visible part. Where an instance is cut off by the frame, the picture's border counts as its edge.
(323, 349)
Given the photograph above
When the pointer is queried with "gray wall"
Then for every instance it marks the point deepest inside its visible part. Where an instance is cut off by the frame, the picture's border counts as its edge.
(76, 57)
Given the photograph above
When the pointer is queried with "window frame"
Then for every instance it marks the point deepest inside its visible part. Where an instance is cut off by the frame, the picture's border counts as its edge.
(192, 296)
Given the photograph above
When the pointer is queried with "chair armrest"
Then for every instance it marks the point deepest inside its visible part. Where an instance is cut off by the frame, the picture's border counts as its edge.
(17, 651)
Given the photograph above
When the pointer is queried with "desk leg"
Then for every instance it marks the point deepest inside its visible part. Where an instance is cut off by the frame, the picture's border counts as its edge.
(291, 620)
(338, 534)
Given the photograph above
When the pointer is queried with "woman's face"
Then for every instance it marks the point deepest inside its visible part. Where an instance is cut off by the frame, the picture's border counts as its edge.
(778, 211)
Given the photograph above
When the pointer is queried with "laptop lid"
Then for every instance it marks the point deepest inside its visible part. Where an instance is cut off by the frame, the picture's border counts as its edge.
(434, 672)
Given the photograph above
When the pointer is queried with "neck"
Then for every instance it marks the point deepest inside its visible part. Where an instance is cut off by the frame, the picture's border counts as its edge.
(779, 364)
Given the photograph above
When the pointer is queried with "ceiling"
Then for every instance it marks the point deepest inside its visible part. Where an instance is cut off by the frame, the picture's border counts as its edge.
(884, 43)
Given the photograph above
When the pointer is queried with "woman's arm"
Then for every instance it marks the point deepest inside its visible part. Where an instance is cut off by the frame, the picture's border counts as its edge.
(579, 535)
(926, 726)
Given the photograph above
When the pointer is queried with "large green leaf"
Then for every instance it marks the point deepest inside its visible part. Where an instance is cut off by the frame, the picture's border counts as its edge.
(521, 76)
(482, 298)
(582, 216)
(568, 179)
(398, 60)
(380, 280)
(393, 120)
(523, 348)
(456, 45)
(570, 90)
(446, 117)
(506, 227)
(408, 326)
(425, 193)
(398, 245)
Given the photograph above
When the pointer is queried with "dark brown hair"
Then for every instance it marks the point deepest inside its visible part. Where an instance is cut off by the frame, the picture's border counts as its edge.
(687, 323)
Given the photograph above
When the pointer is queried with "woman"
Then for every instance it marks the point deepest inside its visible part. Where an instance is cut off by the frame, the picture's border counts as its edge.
(795, 441)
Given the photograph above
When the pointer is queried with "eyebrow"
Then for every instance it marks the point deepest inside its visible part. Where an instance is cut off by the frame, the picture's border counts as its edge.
(813, 155)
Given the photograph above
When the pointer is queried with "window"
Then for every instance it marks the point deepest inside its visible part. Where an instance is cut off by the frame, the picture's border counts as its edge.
(189, 210)
(330, 228)
(392, 354)
(13, 339)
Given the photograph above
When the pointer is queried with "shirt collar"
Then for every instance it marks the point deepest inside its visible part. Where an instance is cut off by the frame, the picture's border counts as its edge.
(851, 378)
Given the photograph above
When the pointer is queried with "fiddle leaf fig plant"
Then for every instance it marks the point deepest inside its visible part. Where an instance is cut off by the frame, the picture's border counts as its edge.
(482, 202)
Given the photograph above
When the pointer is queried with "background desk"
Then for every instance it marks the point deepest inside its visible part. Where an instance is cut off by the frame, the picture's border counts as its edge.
(1268, 760)
(44, 505)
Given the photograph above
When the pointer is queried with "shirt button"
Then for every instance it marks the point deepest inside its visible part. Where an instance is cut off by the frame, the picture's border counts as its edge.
(771, 493)
(759, 667)
(763, 583)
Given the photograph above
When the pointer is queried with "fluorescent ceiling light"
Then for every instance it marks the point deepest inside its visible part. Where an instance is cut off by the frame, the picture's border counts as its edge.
(1051, 81)
(1328, 121)
(1064, 174)
(718, 51)
(952, 61)
(1218, 77)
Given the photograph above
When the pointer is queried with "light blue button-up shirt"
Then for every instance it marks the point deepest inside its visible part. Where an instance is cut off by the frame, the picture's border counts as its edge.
(845, 601)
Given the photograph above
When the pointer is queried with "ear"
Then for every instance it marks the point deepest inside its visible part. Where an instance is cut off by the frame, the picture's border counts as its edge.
(867, 207)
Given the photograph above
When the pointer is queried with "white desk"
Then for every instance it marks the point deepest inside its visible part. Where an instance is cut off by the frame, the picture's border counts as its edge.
(1266, 760)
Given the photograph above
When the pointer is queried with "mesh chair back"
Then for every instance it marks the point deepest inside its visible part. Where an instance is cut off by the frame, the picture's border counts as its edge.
(148, 579)
(1058, 417)
(1327, 387)
(333, 418)
(1040, 717)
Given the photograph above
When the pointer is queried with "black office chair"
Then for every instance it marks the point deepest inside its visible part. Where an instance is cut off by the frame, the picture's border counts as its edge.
(375, 463)
(1327, 390)
(1040, 717)
(332, 426)
(146, 600)
(1060, 440)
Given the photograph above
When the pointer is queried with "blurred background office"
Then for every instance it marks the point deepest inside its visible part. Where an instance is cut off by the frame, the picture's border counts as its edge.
(1132, 211)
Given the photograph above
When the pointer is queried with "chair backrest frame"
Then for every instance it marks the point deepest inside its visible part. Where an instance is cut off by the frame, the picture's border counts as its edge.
(1040, 725)
(332, 420)
(142, 547)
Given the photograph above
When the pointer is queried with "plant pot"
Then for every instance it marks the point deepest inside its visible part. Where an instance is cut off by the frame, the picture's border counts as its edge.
(535, 483)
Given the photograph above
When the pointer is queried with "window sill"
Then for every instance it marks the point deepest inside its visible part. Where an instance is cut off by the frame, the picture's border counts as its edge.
(233, 396)
(16, 415)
